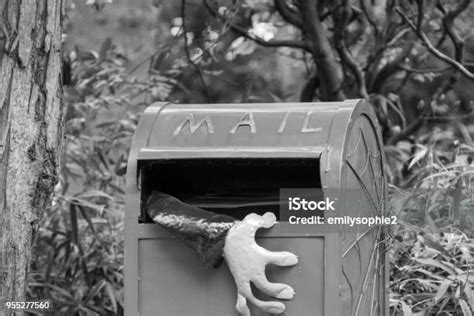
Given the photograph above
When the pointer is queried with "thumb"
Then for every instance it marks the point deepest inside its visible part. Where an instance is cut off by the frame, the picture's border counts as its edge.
(241, 305)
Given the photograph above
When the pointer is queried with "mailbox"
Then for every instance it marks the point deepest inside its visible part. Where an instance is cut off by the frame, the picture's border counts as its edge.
(233, 159)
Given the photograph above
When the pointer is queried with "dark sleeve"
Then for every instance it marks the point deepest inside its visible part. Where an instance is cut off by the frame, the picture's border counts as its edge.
(199, 229)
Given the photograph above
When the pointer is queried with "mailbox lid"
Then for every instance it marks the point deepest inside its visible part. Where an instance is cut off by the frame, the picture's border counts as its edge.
(249, 130)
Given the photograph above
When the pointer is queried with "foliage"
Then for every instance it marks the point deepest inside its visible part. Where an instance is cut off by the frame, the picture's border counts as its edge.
(432, 175)
(432, 254)
(431, 274)
(78, 263)
(380, 50)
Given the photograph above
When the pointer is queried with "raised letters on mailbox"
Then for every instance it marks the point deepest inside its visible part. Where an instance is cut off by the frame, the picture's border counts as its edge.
(246, 120)
(193, 126)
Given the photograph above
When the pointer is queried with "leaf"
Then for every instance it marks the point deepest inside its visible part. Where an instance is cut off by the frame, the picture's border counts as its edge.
(121, 171)
(465, 308)
(60, 290)
(274, 97)
(98, 208)
(111, 294)
(469, 294)
(88, 220)
(419, 77)
(265, 31)
(74, 226)
(240, 46)
(104, 48)
(444, 286)
(94, 193)
(419, 155)
(435, 264)
(94, 291)
(105, 124)
(158, 61)
(406, 309)
(464, 132)
(457, 294)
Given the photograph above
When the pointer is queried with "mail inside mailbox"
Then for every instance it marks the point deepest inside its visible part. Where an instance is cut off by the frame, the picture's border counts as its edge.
(234, 187)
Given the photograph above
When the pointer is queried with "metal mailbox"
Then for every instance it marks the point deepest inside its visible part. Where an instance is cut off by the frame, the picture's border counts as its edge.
(233, 159)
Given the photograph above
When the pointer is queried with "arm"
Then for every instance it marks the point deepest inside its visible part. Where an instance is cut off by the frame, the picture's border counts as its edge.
(199, 229)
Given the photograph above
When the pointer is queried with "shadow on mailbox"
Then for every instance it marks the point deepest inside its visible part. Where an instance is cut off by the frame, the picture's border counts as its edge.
(234, 159)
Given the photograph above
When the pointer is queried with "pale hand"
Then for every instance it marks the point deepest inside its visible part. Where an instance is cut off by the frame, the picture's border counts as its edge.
(247, 262)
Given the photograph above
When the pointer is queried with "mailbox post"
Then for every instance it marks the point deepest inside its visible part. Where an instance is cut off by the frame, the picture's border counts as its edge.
(233, 159)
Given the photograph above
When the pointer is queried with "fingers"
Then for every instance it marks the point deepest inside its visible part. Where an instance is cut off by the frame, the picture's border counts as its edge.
(245, 292)
(266, 220)
(241, 305)
(276, 290)
(271, 307)
(281, 258)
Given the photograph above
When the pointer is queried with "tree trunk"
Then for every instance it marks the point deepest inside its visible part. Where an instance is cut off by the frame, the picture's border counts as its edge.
(31, 130)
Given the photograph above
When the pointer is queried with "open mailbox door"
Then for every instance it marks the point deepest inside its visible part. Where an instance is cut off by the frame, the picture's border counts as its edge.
(234, 159)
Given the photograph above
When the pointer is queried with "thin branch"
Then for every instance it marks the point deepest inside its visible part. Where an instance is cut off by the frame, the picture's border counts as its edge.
(424, 71)
(460, 8)
(363, 6)
(330, 12)
(188, 54)
(448, 23)
(375, 59)
(421, 9)
(432, 49)
(441, 39)
(341, 18)
(449, 118)
(244, 32)
(397, 37)
(358, 34)
(288, 13)
(376, 82)
(308, 92)
(403, 82)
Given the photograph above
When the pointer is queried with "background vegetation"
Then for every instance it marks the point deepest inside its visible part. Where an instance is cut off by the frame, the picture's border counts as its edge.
(412, 59)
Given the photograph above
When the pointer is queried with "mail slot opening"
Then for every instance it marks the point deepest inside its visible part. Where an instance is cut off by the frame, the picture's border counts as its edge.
(234, 187)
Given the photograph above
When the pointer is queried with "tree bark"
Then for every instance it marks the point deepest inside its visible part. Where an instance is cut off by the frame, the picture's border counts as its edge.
(31, 130)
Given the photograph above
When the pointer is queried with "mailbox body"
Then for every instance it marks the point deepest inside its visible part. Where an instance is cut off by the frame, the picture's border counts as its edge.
(235, 154)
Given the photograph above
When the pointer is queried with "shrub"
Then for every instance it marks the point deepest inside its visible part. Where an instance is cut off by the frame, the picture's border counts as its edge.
(431, 274)
(432, 254)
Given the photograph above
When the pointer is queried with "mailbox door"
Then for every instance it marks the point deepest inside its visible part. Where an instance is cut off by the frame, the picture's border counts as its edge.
(172, 281)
